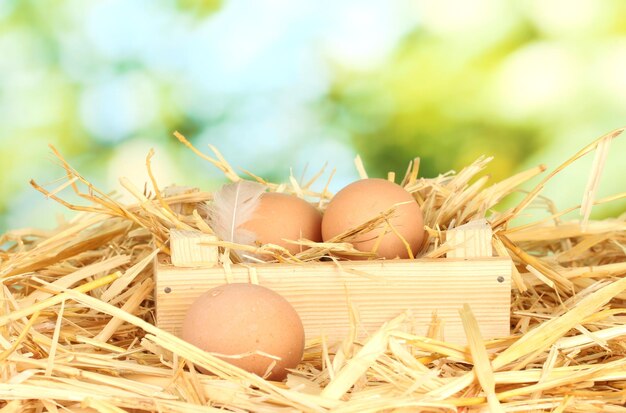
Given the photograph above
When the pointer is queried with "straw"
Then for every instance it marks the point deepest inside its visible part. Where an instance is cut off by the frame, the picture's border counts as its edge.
(77, 308)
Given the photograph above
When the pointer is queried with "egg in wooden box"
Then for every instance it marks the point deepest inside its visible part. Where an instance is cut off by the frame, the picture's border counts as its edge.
(279, 218)
(400, 237)
(244, 213)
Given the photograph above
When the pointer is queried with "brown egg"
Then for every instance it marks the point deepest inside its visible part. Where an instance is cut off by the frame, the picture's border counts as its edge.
(281, 217)
(242, 318)
(363, 200)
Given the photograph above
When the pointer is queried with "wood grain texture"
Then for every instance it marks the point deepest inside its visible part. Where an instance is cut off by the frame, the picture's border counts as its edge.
(379, 290)
(470, 240)
(188, 249)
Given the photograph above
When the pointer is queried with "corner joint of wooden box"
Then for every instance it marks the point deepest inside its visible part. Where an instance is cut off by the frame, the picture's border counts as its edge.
(471, 240)
(193, 249)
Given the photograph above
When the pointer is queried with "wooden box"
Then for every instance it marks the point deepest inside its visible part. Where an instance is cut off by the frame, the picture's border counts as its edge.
(323, 293)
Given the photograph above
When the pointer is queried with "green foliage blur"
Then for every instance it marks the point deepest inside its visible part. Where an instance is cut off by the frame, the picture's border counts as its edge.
(506, 83)
(282, 86)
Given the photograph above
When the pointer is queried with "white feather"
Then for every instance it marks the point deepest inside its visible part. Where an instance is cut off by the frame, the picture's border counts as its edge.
(233, 205)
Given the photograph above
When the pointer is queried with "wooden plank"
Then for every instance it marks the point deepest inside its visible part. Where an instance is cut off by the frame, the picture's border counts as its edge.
(470, 240)
(380, 290)
(188, 249)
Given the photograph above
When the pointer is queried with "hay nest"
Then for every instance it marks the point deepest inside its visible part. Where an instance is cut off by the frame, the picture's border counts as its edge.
(77, 333)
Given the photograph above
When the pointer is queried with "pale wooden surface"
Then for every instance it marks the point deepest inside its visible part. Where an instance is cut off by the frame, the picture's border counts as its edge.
(188, 249)
(470, 240)
(380, 290)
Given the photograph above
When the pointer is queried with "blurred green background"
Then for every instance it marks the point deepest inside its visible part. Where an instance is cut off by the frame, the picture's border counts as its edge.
(280, 84)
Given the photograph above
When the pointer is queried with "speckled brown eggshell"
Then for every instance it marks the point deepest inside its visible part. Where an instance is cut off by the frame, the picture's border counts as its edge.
(241, 318)
(365, 199)
(281, 217)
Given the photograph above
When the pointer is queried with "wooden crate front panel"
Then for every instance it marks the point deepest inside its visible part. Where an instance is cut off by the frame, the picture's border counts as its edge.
(379, 290)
